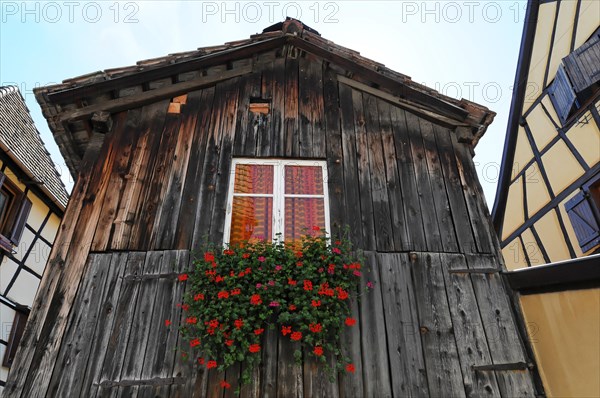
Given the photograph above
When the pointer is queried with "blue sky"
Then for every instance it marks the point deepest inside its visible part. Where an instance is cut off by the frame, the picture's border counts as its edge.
(465, 49)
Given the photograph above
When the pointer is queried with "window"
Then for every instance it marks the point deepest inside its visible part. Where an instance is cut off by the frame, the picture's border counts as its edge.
(270, 198)
(14, 209)
(584, 213)
(16, 332)
(577, 79)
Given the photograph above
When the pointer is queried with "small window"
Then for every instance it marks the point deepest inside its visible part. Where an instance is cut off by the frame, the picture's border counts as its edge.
(16, 332)
(276, 198)
(14, 209)
(577, 79)
(584, 213)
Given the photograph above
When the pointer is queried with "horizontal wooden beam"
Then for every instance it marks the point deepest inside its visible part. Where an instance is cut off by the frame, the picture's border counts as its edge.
(138, 278)
(504, 366)
(157, 381)
(579, 273)
(402, 103)
(135, 101)
(164, 71)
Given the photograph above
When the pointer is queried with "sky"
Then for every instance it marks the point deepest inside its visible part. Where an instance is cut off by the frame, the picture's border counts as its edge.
(464, 49)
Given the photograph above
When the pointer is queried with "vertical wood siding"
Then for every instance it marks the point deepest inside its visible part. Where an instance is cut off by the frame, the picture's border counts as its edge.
(406, 188)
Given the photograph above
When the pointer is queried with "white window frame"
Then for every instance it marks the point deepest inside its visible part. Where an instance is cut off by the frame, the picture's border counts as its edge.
(278, 194)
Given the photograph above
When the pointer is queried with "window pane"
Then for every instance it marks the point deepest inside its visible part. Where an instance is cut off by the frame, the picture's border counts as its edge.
(251, 219)
(251, 178)
(304, 180)
(301, 214)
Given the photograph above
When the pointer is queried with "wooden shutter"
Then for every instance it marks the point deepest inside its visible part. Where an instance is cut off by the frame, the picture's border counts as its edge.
(20, 219)
(584, 221)
(583, 65)
(562, 95)
(16, 332)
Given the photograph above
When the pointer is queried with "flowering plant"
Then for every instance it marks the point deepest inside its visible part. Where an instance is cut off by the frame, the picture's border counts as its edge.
(302, 289)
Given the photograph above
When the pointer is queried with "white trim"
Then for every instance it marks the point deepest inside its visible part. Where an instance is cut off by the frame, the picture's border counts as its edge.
(278, 194)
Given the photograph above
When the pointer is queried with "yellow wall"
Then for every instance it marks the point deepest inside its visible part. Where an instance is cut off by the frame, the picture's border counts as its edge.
(564, 329)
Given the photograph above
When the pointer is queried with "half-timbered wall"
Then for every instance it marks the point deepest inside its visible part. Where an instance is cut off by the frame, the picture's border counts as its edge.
(439, 321)
(21, 271)
(556, 154)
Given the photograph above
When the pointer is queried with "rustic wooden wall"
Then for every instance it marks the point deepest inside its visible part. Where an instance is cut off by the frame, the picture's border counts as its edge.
(406, 187)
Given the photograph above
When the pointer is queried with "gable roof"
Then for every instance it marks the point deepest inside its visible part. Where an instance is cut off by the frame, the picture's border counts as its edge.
(69, 106)
(20, 139)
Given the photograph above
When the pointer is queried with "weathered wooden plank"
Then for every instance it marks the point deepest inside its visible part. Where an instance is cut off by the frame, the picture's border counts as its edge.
(126, 142)
(74, 352)
(159, 358)
(379, 192)
(289, 374)
(506, 346)
(153, 117)
(310, 108)
(141, 325)
(190, 202)
(155, 184)
(407, 365)
(351, 190)
(478, 213)
(468, 329)
(316, 380)
(165, 225)
(351, 384)
(415, 238)
(104, 325)
(290, 113)
(333, 140)
(444, 374)
(123, 319)
(221, 182)
(438, 189)
(364, 173)
(456, 198)
(277, 116)
(245, 136)
(262, 122)
(375, 364)
(206, 193)
(398, 222)
(269, 364)
(430, 223)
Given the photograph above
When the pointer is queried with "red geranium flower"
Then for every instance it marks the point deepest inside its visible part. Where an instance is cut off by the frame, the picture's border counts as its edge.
(183, 277)
(307, 285)
(236, 292)
(350, 368)
(228, 252)
(350, 321)
(191, 320)
(219, 278)
(296, 336)
(299, 254)
(315, 327)
(213, 323)
(209, 257)
(195, 342)
(185, 307)
(167, 322)
(285, 330)
(292, 282)
(199, 296)
(258, 331)
(224, 384)
(292, 307)
(223, 294)
(299, 264)
(228, 342)
(211, 364)
(201, 361)
(342, 294)
(318, 351)
(255, 299)
(315, 303)
(316, 228)
(246, 255)
(254, 348)
(336, 250)
(238, 323)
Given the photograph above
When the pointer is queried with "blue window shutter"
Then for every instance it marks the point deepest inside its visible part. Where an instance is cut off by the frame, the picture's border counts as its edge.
(583, 220)
(583, 65)
(562, 94)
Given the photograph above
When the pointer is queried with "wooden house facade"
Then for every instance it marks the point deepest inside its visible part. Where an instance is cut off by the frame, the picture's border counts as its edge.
(156, 147)
(32, 202)
(547, 208)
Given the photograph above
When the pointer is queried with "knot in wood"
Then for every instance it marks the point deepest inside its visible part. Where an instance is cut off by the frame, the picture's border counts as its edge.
(423, 329)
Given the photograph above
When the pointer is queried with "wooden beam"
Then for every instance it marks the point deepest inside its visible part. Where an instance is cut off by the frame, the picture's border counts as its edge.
(143, 76)
(136, 101)
(402, 103)
(504, 366)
